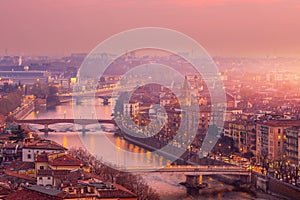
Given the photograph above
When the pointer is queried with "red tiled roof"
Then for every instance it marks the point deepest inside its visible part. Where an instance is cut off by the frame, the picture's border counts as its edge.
(44, 172)
(19, 176)
(27, 194)
(284, 123)
(54, 173)
(11, 145)
(66, 160)
(19, 165)
(4, 187)
(43, 157)
(44, 144)
(119, 192)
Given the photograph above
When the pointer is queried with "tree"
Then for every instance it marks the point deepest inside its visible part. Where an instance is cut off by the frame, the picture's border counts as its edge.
(40, 90)
(52, 98)
(134, 183)
(10, 102)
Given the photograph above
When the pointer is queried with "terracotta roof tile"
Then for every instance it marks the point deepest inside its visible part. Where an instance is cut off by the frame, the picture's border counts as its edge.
(44, 144)
(284, 123)
(43, 157)
(66, 160)
(19, 176)
(24, 194)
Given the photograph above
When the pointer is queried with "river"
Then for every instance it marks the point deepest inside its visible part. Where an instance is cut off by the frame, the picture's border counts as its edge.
(95, 140)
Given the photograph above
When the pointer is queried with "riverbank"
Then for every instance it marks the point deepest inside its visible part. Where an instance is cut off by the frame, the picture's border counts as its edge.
(167, 185)
(233, 183)
(249, 189)
(23, 111)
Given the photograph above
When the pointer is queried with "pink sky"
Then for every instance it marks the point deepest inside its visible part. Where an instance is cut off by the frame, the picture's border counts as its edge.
(222, 27)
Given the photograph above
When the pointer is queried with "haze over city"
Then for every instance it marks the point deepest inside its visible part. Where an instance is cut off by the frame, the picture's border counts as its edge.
(223, 27)
(149, 99)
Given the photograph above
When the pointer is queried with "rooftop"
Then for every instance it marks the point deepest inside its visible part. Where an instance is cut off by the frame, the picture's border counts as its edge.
(284, 123)
(43, 157)
(19, 176)
(45, 190)
(29, 194)
(44, 144)
(66, 160)
(17, 165)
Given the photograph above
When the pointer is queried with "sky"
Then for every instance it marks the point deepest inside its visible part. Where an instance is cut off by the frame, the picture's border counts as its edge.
(222, 27)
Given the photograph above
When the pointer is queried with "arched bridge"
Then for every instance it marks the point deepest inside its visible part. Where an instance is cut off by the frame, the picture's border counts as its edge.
(190, 169)
(104, 94)
(194, 173)
(72, 121)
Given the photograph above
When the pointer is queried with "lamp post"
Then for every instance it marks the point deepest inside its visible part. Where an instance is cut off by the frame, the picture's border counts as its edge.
(24, 90)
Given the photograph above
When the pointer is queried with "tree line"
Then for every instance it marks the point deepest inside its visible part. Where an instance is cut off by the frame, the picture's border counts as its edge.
(132, 182)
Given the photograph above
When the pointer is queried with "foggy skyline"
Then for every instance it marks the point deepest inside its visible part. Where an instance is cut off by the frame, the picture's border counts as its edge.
(222, 27)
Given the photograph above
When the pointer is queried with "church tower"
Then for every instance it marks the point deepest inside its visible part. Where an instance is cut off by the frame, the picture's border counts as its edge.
(186, 92)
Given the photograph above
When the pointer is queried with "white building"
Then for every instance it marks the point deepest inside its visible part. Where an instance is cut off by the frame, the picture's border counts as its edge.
(32, 148)
(44, 178)
(131, 108)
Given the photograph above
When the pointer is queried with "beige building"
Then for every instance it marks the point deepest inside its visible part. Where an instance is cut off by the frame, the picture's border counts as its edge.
(243, 134)
(292, 145)
(270, 138)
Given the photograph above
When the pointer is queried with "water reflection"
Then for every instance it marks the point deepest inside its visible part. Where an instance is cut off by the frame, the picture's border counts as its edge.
(66, 135)
(95, 137)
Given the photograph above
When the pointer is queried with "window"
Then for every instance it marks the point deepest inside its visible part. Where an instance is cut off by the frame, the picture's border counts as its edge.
(40, 178)
(49, 177)
(29, 156)
(41, 167)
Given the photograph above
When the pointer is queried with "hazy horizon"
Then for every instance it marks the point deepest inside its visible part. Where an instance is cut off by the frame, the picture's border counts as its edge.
(247, 28)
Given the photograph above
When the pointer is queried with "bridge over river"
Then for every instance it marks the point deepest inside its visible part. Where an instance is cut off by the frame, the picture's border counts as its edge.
(194, 173)
(196, 169)
(82, 122)
(72, 121)
(104, 94)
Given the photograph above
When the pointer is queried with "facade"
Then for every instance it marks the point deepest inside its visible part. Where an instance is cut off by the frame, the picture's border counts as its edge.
(26, 77)
(44, 178)
(83, 190)
(10, 151)
(32, 148)
(270, 138)
(131, 108)
(243, 134)
(204, 118)
(67, 162)
(292, 145)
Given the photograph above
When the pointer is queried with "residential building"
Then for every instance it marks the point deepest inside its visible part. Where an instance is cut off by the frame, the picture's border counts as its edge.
(67, 162)
(32, 148)
(77, 190)
(131, 108)
(270, 138)
(243, 134)
(10, 151)
(292, 145)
